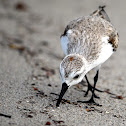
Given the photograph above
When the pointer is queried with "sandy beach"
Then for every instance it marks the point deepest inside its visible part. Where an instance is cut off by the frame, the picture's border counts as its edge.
(30, 55)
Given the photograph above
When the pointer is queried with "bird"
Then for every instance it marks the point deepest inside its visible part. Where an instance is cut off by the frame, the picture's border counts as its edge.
(87, 43)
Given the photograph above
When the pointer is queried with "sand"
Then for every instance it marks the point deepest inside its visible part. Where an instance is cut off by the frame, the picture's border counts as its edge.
(30, 54)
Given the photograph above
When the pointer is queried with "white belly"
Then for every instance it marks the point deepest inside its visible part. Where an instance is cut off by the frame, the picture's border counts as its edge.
(106, 52)
(64, 42)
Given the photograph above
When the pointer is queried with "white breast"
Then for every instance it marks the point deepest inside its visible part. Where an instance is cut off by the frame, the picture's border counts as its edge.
(64, 43)
(106, 51)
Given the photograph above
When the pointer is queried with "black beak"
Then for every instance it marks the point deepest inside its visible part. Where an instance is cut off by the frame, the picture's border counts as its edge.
(63, 90)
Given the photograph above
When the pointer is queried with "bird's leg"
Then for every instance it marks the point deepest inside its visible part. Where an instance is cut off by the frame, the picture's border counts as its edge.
(93, 93)
(90, 88)
(93, 90)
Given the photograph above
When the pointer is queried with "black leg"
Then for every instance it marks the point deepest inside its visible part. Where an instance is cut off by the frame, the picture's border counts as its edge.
(95, 81)
(89, 86)
(92, 90)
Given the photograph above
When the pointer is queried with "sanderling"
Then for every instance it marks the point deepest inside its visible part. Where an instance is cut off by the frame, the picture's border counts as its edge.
(87, 43)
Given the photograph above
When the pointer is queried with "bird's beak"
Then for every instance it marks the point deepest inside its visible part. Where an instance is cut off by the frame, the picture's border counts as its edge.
(63, 90)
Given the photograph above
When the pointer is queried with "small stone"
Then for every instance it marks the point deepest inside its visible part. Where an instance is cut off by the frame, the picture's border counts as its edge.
(107, 112)
(20, 6)
(33, 84)
(48, 123)
(27, 101)
(49, 85)
(29, 116)
(88, 110)
(34, 78)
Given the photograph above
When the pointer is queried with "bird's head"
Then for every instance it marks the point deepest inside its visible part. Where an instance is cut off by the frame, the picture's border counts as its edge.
(72, 70)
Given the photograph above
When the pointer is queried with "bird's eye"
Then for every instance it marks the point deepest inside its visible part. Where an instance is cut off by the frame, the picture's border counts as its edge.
(77, 76)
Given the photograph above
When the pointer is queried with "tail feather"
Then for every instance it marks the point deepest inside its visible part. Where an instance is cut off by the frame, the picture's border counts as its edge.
(100, 12)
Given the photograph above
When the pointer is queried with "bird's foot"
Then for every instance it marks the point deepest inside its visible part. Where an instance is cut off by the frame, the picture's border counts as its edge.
(96, 96)
(91, 101)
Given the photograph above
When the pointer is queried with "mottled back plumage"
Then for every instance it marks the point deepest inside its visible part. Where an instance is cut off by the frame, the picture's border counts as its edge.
(85, 36)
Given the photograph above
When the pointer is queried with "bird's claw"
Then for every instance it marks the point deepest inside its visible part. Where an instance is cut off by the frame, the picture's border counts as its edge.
(91, 101)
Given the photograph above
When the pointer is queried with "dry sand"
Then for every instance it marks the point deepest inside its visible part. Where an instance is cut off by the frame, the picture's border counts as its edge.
(30, 54)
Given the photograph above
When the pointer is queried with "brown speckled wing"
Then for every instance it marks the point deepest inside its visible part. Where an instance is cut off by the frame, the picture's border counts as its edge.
(85, 36)
(114, 39)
